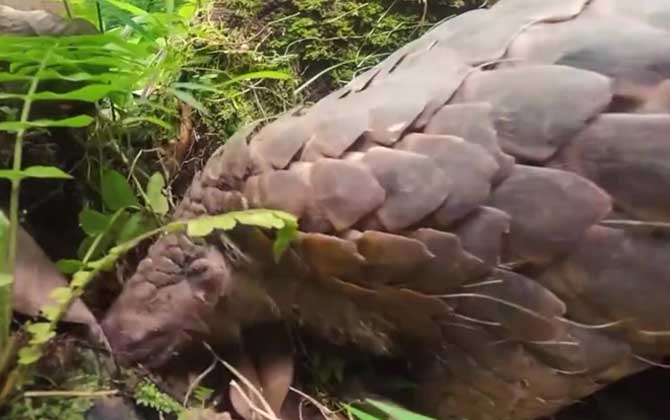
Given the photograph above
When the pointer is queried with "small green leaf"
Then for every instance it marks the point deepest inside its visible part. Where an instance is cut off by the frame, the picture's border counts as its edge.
(119, 250)
(29, 355)
(359, 414)
(89, 93)
(61, 295)
(6, 279)
(284, 237)
(153, 120)
(50, 312)
(204, 226)
(11, 113)
(128, 7)
(84, 246)
(80, 279)
(93, 222)
(136, 225)
(187, 10)
(42, 338)
(67, 266)
(202, 394)
(268, 219)
(116, 192)
(156, 199)
(148, 395)
(39, 329)
(106, 263)
(46, 172)
(267, 74)
(9, 77)
(4, 222)
(188, 99)
(264, 219)
(73, 122)
(48, 74)
(80, 121)
(196, 86)
(35, 172)
(11, 96)
(396, 412)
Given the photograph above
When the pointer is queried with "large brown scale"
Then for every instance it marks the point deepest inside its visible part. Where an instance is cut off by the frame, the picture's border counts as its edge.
(488, 203)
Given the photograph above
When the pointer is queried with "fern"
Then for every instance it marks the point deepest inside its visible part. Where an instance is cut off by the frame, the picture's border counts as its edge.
(83, 69)
(35, 73)
(201, 395)
(147, 394)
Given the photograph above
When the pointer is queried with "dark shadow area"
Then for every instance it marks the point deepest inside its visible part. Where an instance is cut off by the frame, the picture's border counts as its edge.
(640, 397)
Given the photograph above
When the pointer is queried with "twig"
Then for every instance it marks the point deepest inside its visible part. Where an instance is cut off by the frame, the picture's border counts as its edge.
(185, 140)
(86, 394)
(300, 406)
(66, 5)
(197, 381)
(319, 74)
(424, 15)
(325, 411)
(254, 407)
(244, 380)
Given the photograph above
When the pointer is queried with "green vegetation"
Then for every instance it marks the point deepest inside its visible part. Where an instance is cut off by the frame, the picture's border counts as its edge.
(321, 43)
(377, 410)
(148, 395)
(102, 71)
(74, 378)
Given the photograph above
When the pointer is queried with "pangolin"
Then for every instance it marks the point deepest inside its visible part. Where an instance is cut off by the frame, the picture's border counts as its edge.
(489, 202)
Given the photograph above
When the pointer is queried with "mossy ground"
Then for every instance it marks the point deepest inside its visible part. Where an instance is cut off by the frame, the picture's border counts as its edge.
(321, 43)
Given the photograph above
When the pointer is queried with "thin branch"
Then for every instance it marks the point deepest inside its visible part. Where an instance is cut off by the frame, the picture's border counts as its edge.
(325, 411)
(80, 394)
(197, 381)
(66, 5)
(244, 380)
(254, 407)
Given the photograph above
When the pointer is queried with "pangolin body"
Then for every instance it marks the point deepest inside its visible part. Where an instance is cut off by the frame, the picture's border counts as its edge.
(493, 194)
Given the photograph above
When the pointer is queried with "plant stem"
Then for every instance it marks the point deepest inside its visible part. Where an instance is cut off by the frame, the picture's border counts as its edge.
(6, 293)
(8, 354)
(98, 11)
(87, 394)
(66, 5)
(8, 357)
(96, 242)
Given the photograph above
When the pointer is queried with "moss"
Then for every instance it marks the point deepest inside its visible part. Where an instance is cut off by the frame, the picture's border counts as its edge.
(66, 367)
(324, 43)
(342, 35)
